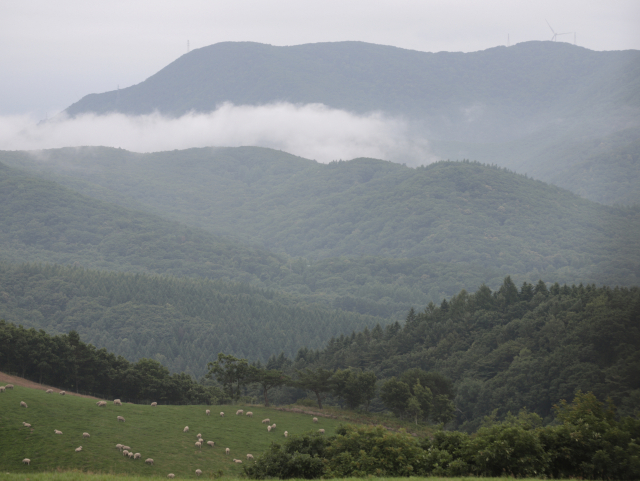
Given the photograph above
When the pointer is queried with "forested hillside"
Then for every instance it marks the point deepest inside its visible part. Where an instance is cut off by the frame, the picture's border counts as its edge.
(509, 349)
(477, 216)
(183, 323)
(549, 109)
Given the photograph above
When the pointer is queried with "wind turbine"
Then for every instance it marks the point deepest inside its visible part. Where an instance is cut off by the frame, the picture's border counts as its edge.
(553, 39)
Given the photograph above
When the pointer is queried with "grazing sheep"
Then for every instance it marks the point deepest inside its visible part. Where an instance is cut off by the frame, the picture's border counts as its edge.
(125, 452)
(221, 414)
(55, 431)
(249, 456)
(227, 451)
(154, 405)
(198, 472)
(266, 421)
(23, 404)
(186, 429)
(128, 448)
(2, 388)
(120, 418)
(171, 475)
(237, 461)
(273, 426)
(78, 449)
(239, 411)
(315, 420)
(62, 393)
(286, 434)
(26, 460)
(130, 454)
(119, 446)
(9, 386)
(321, 431)
(137, 456)
(199, 444)
(207, 412)
(211, 443)
(250, 414)
(268, 428)
(86, 435)
(117, 402)
(26, 425)
(49, 391)
(199, 436)
(148, 461)
(101, 404)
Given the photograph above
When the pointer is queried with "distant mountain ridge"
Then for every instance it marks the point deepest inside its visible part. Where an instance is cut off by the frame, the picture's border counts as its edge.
(515, 88)
(549, 109)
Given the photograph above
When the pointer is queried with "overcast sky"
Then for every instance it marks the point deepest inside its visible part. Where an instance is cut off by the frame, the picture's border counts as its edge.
(52, 53)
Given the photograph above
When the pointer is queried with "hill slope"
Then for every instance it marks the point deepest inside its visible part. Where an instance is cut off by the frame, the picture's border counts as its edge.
(153, 432)
(443, 213)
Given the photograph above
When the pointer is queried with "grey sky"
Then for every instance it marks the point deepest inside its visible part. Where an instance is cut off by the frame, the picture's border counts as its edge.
(54, 53)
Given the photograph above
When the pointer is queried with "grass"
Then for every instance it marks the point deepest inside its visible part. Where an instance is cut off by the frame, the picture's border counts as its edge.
(153, 432)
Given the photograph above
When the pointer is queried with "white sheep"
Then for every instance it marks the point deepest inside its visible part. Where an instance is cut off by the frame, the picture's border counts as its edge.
(125, 452)
(128, 448)
(186, 429)
(119, 446)
(148, 461)
(2, 388)
(249, 456)
(286, 434)
(321, 431)
(137, 456)
(117, 402)
(26, 425)
(130, 454)
(211, 443)
(198, 472)
(250, 414)
(199, 444)
(154, 404)
(237, 461)
(315, 420)
(49, 391)
(273, 426)
(62, 393)
(78, 449)
(269, 429)
(266, 421)
(227, 451)
(55, 431)
(101, 404)
(199, 436)
(86, 435)
(239, 411)
(221, 414)
(171, 475)
(9, 386)
(23, 404)
(207, 412)
(26, 461)
(120, 419)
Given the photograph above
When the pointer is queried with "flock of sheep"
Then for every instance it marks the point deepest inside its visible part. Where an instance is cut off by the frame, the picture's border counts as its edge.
(126, 450)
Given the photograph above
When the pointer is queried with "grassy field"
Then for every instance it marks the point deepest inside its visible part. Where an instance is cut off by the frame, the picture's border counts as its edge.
(154, 432)
(79, 476)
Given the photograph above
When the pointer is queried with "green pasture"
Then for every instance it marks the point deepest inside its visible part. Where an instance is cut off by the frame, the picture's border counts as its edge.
(154, 432)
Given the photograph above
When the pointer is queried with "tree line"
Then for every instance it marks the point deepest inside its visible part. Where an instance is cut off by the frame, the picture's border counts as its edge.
(586, 441)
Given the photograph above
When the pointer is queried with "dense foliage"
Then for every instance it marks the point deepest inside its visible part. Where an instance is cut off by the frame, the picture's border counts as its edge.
(183, 323)
(586, 442)
(404, 236)
(508, 349)
(66, 362)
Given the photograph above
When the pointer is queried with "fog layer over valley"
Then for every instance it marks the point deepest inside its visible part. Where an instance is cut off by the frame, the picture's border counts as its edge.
(314, 131)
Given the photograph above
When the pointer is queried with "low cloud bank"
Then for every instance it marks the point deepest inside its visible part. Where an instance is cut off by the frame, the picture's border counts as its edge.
(312, 131)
